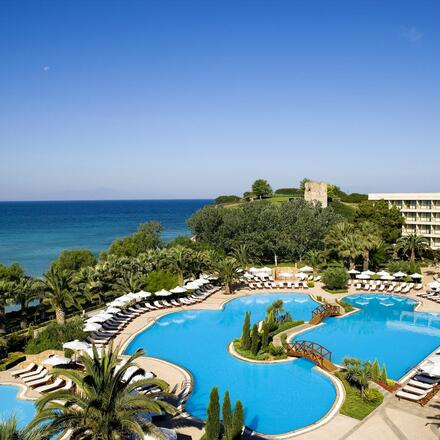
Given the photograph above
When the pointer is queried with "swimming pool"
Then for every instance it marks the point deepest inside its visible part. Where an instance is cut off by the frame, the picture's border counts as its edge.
(386, 328)
(11, 405)
(277, 398)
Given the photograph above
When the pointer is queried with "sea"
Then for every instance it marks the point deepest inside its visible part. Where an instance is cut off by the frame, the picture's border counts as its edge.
(33, 234)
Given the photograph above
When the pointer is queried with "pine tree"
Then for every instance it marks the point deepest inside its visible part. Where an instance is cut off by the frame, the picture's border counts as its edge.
(246, 336)
(212, 427)
(375, 370)
(227, 417)
(383, 375)
(237, 421)
(265, 337)
(255, 340)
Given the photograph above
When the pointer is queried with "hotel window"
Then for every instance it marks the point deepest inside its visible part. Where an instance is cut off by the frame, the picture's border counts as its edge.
(425, 230)
(425, 204)
(436, 218)
(411, 204)
(436, 241)
(436, 204)
(398, 204)
(411, 229)
(411, 217)
(435, 230)
(425, 217)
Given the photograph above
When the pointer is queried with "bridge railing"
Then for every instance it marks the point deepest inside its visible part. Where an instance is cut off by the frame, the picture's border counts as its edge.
(311, 348)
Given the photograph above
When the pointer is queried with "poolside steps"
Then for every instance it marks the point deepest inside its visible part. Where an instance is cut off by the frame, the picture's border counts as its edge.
(324, 311)
(312, 351)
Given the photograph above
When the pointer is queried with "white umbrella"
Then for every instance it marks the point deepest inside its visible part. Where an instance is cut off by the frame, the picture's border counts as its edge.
(163, 292)
(363, 276)
(143, 294)
(92, 327)
(253, 269)
(369, 272)
(203, 281)
(76, 345)
(383, 273)
(434, 285)
(353, 272)
(399, 274)
(101, 317)
(112, 310)
(213, 278)
(301, 275)
(286, 274)
(416, 275)
(119, 302)
(432, 369)
(56, 360)
(387, 277)
(179, 289)
(306, 269)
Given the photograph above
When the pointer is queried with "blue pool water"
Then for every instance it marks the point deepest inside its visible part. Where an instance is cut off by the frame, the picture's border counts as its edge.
(34, 233)
(277, 398)
(11, 405)
(386, 328)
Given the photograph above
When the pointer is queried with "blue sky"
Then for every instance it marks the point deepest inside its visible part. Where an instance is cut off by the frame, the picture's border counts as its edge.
(185, 98)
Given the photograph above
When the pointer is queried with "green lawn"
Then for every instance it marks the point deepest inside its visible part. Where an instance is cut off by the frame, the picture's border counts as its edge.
(354, 406)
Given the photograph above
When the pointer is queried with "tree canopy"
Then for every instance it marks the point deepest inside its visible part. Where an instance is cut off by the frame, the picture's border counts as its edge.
(261, 188)
(75, 259)
(288, 230)
(148, 236)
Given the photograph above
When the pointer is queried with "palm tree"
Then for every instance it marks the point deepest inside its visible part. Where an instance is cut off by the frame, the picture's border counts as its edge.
(227, 270)
(315, 258)
(5, 289)
(57, 292)
(412, 245)
(241, 254)
(178, 261)
(22, 293)
(102, 405)
(128, 282)
(10, 430)
(370, 239)
(350, 248)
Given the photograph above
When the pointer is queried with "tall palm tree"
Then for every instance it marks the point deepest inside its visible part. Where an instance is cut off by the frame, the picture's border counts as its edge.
(57, 292)
(178, 261)
(350, 247)
(22, 293)
(227, 270)
(370, 239)
(102, 405)
(241, 254)
(315, 258)
(412, 245)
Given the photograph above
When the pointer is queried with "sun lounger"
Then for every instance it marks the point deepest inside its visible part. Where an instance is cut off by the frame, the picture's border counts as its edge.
(158, 304)
(44, 380)
(418, 286)
(381, 288)
(358, 286)
(58, 383)
(267, 285)
(289, 285)
(166, 303)
(25, 370)
(259, 285)
(426, 379)
(318, 278)
(413, 390)
(422, 385)
(38, 376)
(150, 306)
(397, 289)
(390, 289)
(39, 369)
(410, 396)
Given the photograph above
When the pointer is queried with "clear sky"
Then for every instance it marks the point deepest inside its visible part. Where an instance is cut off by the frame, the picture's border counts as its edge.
(181, 99)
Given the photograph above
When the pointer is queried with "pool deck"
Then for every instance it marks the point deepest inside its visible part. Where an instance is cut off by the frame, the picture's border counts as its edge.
(394, 419)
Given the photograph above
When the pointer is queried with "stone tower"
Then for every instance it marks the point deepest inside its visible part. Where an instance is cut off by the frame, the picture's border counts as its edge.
(316, 192)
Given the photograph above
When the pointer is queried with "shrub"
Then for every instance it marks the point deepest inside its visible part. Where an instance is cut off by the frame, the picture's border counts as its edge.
(227, 199)
(403, 266)
(310, 284)
(346, 306)
(12, 360)
(285, 326)
(160, 279)
(294, 192)
(275, 350)
(54, 335)
(335, 278)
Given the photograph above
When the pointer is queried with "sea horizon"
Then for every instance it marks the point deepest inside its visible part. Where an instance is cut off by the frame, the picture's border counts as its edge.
(34, 233)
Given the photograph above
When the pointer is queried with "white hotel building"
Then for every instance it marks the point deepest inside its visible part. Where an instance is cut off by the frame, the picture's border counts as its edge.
(420, 210)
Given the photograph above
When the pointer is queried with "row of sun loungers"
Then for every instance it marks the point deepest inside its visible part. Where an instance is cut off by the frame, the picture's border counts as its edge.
(270, 279)
(279, 285)
(37, 377)
(388, 288)
(431, 295)
(419, 387)
(115, 325)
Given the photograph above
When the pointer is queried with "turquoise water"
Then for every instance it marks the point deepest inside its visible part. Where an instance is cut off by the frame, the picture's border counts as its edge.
(11, 405)
(386, 328)
(34, 233)
(277, 398)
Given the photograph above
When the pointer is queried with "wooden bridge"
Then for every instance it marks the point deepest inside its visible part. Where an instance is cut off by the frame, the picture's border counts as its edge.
(312, 351)
(323, 311)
